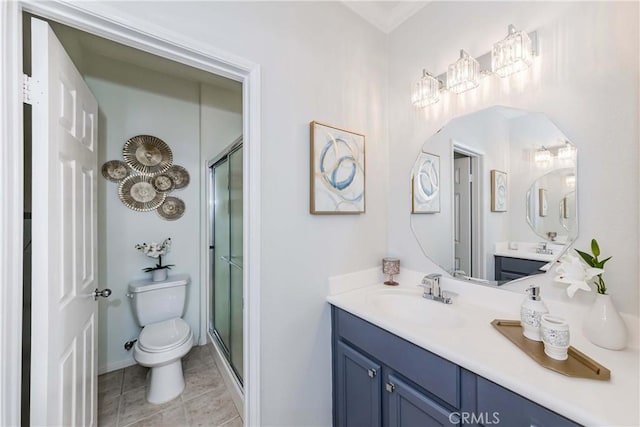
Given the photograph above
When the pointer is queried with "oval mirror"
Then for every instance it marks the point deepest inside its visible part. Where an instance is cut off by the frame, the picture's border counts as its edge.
(494, 195)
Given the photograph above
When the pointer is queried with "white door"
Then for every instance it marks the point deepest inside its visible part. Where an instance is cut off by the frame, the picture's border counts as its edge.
(462, 214)
(64, 312)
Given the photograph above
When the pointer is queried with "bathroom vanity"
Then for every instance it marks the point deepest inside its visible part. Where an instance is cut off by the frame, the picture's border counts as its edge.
(402, 360)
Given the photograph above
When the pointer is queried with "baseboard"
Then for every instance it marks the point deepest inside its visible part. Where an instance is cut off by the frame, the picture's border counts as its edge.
(229, 378)
(114, 366)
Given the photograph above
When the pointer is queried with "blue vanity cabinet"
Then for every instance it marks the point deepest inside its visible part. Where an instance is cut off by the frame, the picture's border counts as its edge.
(408, 406)
(508, 268)
(382, 380)
(357, 388)
(379, 379)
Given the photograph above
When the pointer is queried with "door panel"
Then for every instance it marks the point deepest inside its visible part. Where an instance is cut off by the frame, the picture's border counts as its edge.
(358, 389)
(64, 312)
(410, 408)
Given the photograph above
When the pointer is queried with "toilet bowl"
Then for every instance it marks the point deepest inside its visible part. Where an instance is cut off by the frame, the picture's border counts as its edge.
(165, 337)
(161, 347)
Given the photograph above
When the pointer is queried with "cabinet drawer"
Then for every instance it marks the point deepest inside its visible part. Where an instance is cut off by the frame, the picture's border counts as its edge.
(433, 373)
(513, 409)
(521, 266)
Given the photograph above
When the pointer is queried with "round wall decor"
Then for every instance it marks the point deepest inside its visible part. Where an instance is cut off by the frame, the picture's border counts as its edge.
(147, 154)
(179, 176)
(163, 183)
(115, 170)
(136, 192)
(172, 208)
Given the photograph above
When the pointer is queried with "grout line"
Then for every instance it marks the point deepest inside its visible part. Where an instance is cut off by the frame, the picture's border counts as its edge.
(229, 421)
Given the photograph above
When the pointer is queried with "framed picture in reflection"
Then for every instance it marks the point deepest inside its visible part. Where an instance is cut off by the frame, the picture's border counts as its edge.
(425, 184)
(498, 191)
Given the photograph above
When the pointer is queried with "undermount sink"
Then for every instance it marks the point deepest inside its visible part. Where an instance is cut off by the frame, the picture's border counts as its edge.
(410, 306)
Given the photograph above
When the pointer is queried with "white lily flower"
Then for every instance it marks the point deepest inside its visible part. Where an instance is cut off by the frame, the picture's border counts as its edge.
(574, 272)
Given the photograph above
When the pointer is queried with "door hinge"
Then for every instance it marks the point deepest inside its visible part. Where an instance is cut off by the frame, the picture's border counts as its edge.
(26, 89)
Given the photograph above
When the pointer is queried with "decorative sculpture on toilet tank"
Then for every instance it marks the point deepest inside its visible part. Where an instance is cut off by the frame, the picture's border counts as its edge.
(146, 177)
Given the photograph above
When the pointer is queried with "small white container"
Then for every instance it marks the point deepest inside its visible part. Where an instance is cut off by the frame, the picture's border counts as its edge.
(555, 336)
(530, 312)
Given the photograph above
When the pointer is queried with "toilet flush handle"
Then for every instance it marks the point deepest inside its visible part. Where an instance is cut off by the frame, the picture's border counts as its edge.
(103, 293)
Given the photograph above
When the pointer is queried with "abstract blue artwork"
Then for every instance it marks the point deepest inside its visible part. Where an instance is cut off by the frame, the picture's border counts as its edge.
(337, 170)
(426, 184)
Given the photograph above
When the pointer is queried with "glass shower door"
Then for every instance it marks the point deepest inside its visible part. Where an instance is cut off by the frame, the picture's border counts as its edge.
(226, 319)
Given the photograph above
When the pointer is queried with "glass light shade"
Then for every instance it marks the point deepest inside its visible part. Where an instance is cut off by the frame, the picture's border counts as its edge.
(542, 156)
(513, 54)
(427, 90)
(463, 74)
(570, 181)
(566, 152)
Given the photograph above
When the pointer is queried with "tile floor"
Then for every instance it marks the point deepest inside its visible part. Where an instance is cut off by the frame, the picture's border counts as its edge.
(205, 400)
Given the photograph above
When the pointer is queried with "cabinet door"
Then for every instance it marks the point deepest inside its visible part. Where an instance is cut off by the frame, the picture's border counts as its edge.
(358, 389)
(409, 407)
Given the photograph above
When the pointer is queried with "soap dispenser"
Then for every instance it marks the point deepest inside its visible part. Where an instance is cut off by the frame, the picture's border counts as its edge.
(530, 312)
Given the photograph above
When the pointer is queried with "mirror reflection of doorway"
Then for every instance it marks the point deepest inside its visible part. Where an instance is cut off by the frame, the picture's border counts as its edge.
(466, 194)
(226, 321)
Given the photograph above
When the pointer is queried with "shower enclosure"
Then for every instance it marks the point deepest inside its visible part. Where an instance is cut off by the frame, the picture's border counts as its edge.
(225, 250)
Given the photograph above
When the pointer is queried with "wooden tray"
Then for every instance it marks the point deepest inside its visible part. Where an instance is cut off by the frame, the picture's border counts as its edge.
(577, 365)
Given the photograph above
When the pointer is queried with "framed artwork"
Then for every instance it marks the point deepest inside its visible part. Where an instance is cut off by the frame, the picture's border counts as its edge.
(498, 191)
(542, 202)
(337, 171)
(425, 184)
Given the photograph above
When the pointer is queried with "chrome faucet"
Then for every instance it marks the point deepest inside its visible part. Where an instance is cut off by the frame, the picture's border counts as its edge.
(432, 289)
(544, 249)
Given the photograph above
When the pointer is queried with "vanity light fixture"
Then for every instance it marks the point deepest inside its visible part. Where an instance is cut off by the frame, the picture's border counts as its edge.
(543, 155)
(427, 90)
(508, 56)
(464, 74)
(567, 151)
(512, 54)
(570, 181)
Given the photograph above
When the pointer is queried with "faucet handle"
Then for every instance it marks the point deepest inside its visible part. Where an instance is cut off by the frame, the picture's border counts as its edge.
(426, 285)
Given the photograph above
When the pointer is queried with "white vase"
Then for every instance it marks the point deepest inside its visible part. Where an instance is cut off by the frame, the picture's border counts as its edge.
(159, 275)
(603, 325)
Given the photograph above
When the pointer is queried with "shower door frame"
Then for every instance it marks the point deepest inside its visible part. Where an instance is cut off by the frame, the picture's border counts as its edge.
(217, 340)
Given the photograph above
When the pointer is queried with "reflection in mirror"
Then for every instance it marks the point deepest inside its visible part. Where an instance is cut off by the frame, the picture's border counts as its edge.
(505, 195)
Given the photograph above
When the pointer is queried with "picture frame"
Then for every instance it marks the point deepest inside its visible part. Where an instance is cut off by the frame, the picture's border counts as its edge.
(499, 191)
(543, 206)
(425, 185)
(337, 171)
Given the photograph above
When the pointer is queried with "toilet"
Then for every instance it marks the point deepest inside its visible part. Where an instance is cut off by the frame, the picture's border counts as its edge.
(165, 337)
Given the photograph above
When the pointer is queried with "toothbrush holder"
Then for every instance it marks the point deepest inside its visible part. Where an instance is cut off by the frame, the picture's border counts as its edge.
(555, 336)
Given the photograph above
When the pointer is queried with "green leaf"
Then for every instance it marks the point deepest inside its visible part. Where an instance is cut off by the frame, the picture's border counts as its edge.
(586, 257)
(595, 248)
(600, 264)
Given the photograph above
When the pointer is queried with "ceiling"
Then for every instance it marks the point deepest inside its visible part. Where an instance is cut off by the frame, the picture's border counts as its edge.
(386, 15)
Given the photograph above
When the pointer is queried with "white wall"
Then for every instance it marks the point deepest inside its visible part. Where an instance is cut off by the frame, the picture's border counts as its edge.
(135, 101)
(319, 62)
(586, 81)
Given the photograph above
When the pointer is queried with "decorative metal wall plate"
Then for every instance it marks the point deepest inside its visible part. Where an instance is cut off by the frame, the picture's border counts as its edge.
(172, 208)
(163, 183)
(115, 170)
(179, 176)
(136, 192)
(147, 154)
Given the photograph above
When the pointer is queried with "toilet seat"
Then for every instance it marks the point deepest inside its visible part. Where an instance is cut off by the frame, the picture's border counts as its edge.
(164, 336)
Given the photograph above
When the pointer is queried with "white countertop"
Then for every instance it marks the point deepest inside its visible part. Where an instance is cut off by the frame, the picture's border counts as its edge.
(475, 345)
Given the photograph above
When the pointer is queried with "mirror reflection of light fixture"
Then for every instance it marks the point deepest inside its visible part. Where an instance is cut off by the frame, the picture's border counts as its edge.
(427, 90)
(567, 151)
(570, 181)
(512, 54)
(542, 155)
(464, 74)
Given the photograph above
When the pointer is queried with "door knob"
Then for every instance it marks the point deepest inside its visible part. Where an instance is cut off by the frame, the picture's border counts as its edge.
(103, 293)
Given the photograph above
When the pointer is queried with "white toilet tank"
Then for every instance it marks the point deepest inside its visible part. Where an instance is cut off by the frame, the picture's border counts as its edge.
(157, 301)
